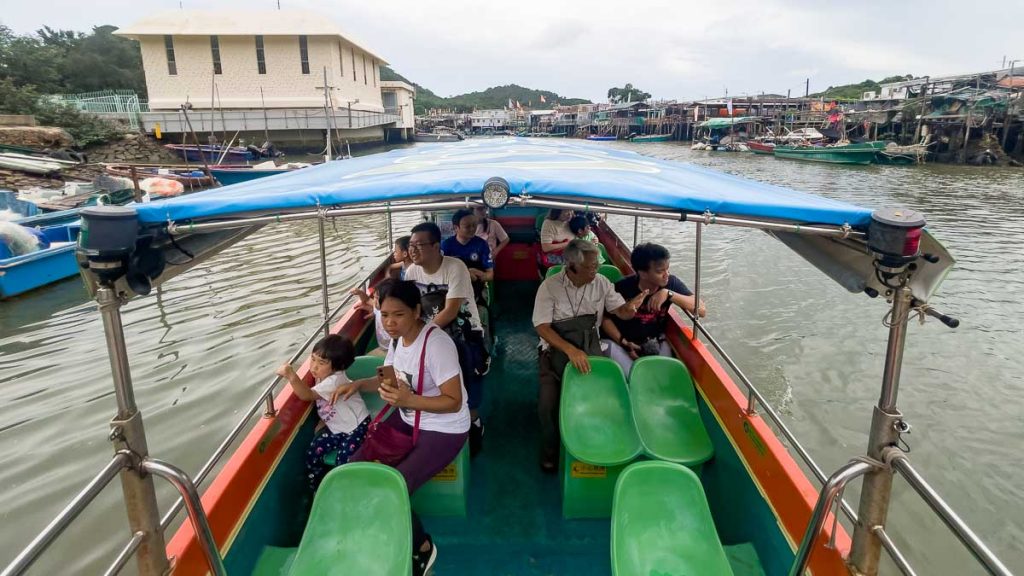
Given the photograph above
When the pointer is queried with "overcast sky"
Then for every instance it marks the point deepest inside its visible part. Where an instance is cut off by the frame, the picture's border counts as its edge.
(679, 49)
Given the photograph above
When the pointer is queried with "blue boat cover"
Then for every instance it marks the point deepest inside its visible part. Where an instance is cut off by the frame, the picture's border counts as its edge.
(543, 168)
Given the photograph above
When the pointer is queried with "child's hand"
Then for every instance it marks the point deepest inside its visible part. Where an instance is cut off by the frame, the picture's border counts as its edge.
(285, 371)
(394, 393)
(361, 294)
(344, 392)
(367, 309)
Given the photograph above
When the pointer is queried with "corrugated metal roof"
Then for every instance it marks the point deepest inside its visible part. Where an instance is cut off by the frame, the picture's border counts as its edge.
(240, 23)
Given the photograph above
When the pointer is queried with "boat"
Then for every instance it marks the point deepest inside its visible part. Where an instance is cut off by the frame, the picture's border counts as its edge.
(189, 177)
(228, 175)
(33, 164)
(851, 153)
(602, 137)
(213, 154)
(439, 134)
(25, 272)
(760, 147)
(690, 443)
(651, 138)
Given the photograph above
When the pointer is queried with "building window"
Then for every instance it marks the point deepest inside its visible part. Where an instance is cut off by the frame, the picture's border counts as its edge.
(341, 58)
(304, 53)
(353, 64)
(261, 61)
(365, 81)
(172, 66)
(215, 52)
(374, 72)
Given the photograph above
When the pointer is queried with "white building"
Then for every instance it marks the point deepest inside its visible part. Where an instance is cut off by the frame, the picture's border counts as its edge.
(232, 66)
(490, 119)
(399, 98)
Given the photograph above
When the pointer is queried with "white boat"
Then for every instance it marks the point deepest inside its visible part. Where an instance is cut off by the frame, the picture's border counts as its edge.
(32, 164)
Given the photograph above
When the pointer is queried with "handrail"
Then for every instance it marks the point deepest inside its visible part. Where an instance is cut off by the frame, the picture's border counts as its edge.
(978, 549)
(833, 487)
(196, 514)
(56, 527)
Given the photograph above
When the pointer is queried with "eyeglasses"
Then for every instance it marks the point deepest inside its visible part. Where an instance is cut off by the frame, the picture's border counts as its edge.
(419, 245)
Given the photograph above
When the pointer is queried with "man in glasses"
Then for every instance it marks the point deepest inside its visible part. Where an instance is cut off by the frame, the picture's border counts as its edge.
(446, 288)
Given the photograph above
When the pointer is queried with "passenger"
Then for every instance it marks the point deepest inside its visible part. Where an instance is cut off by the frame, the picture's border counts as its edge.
(370, 305)
(492, 231)
(644, 334)
(443, 413)
(447, 290)
(580, 227)
(554, 235)
(342, 428)
(568, 309)
(472, 250)
(400, 258)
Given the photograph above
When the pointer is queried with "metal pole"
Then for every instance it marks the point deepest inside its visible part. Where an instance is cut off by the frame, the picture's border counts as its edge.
(196, 514)
(636, 230)
(885, 432)
(826, 497)
(323, 278)
(129, 435)
(992, 564)
(40, 543)
(696, 284)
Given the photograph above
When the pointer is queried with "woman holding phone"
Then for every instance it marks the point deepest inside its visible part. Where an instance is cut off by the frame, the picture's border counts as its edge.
(424, 357)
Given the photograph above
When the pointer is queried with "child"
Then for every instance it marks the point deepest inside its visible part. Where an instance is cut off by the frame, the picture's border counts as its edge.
(400, 259)
(580, 227)
(343, 424)
(371, 305)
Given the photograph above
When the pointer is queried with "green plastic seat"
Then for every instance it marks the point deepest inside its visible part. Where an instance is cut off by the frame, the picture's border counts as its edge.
(539, 221)
(661, 524)
(598, 437)
(553, 270)
(360, 524)
(604, 253)
(666, 414)
(611, 272)
(366, 367)
(447, 492)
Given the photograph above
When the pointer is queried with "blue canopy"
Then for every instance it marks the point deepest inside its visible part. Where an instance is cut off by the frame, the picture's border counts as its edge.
(542, 168)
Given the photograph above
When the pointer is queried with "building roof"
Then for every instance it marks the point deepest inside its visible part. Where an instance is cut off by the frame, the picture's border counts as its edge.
(398, 84)
(239, 23)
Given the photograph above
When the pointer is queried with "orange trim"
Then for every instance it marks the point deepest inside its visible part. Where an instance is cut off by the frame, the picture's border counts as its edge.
(239, 483)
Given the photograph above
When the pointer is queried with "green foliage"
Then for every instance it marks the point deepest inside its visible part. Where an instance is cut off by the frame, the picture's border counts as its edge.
(627, 93)
(495, 97)
(856, 91)
(86, 129)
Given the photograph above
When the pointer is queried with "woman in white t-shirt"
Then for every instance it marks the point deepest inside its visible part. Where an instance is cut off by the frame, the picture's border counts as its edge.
(555, 235)
(490, 230)
(343, 424)
(444, 416)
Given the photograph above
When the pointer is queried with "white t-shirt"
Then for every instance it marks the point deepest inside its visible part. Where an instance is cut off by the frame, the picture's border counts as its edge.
(440, 364)
(558, 299)
(452, 276)
(344, 416)
(555, 231)
(383, 338)
(494, 233)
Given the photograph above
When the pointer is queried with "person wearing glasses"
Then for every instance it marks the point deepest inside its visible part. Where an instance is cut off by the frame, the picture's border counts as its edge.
(448, 301)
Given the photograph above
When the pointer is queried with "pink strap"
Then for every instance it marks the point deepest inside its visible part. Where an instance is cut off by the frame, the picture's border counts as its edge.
(419, 391)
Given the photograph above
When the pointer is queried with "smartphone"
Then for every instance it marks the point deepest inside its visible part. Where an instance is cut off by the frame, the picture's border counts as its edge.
(387, 373)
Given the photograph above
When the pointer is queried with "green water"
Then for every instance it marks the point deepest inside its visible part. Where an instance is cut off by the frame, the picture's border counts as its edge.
(205, 345)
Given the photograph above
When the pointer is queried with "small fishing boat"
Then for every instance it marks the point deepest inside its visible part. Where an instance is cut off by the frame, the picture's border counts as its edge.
(602, 137)
(54, 262)
(228, 175)
(439, 134)
(759, 147)
(651, 138)
(189, 177)
(852, 153)
(212, 154)
(688, 443)
(33, 164)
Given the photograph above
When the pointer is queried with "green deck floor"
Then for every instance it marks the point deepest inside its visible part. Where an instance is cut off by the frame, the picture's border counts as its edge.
(514, 524)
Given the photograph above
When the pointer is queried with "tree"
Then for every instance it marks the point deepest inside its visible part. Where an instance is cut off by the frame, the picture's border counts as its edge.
(627, 93)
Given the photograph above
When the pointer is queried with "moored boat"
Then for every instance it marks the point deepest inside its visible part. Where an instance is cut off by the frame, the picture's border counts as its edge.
(189, 177)
(759, 147)
(749, 506)
(651, 138)
(853, 153)
(55, 261)
(228, 175)
(212, 154)
(602, 137)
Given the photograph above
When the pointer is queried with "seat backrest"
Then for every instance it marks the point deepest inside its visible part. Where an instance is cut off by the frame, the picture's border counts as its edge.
(604, 252)
(540, 220)
(665, 410)
(611, 272)
(595, 415)
(553, 270)
(364, 367)
(661, 524)
(360, 524)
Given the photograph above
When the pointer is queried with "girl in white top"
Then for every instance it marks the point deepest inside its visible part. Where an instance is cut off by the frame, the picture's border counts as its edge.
(491, 231)
(555, 232)
(343, 424)
(444, 416)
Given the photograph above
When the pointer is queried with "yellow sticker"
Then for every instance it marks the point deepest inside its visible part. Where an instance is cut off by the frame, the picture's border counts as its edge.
(755, 439)
(449, 474)
(584, 470)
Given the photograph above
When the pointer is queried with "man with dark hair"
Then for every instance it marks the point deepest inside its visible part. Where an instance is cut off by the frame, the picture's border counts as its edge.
(447, 290)
(471, 249)
(644, 334)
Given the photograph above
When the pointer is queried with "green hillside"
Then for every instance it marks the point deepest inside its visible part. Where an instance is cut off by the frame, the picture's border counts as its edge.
(495, 97)
(856, 91)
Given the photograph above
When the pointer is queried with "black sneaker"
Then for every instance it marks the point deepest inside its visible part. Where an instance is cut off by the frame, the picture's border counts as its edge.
(476, 437)
(422, 562)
